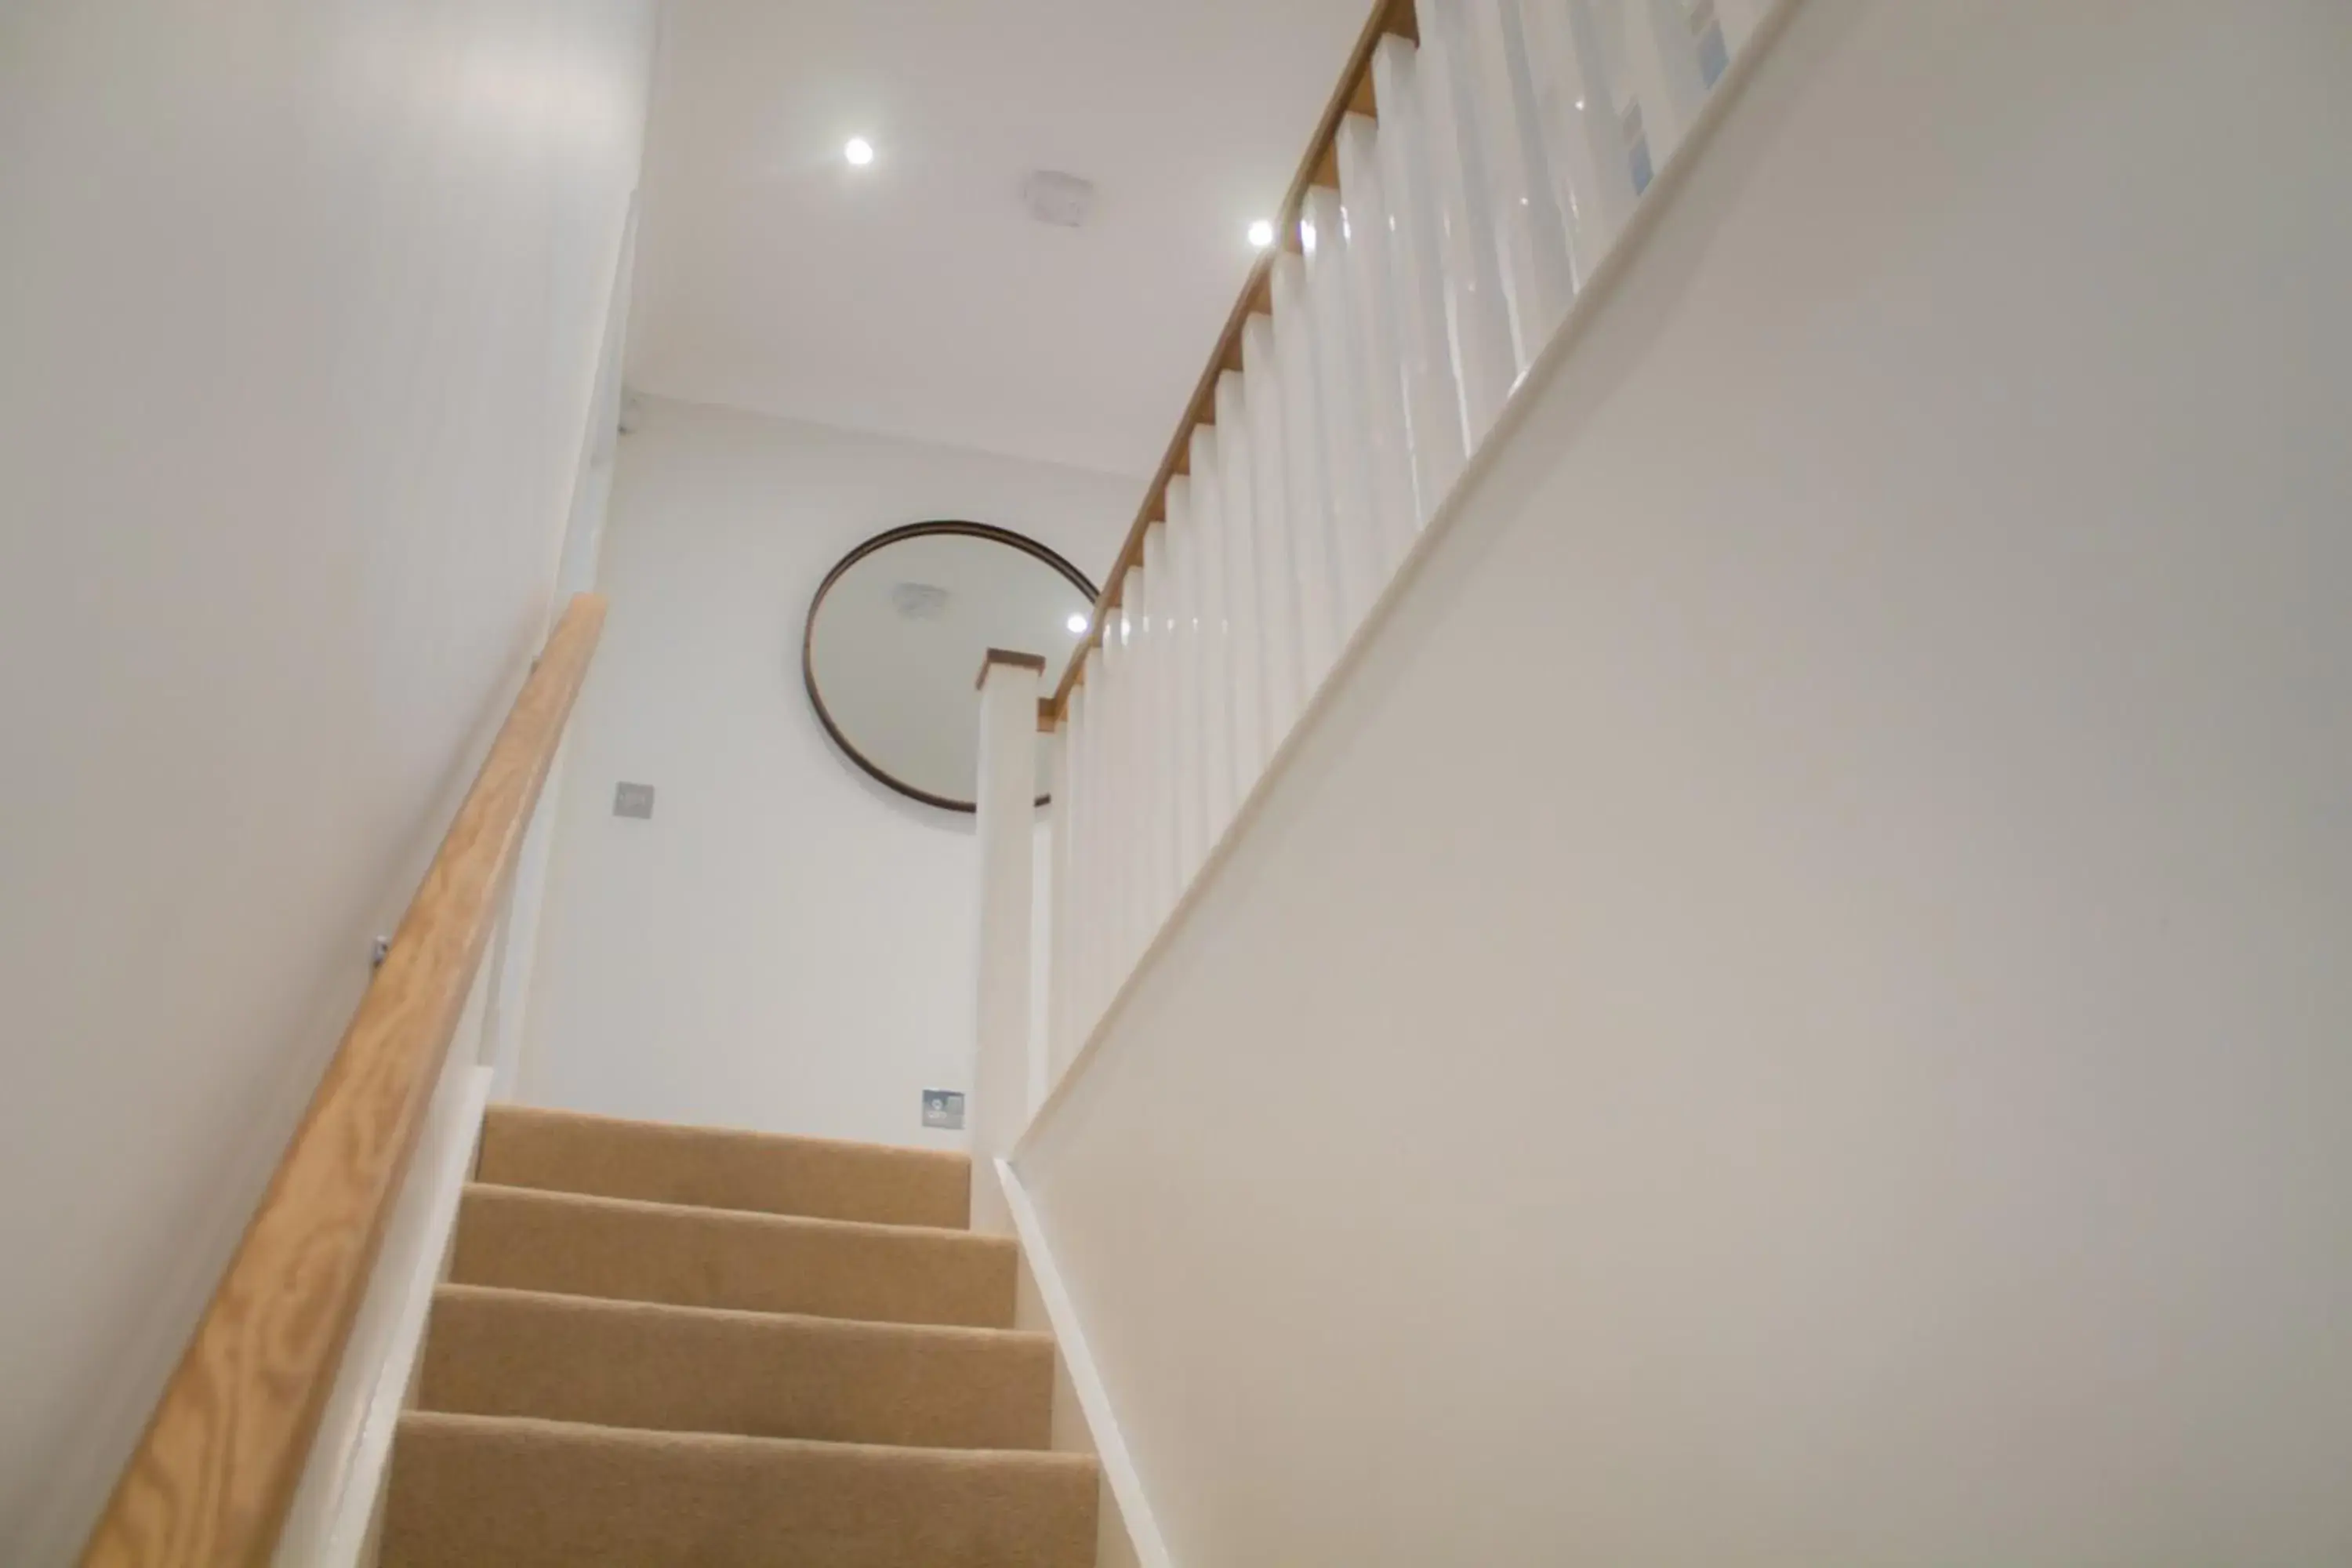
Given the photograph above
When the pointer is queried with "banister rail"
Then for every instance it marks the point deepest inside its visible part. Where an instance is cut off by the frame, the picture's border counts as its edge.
(211, 1478)
(1320, 166)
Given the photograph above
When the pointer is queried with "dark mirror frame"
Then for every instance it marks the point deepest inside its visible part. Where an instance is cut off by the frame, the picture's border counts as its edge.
(882, 540)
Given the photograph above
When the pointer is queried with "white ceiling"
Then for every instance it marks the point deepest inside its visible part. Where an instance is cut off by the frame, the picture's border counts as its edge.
(917, 297)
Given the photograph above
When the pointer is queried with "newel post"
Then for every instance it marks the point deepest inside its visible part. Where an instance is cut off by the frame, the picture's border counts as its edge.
(1006, 808)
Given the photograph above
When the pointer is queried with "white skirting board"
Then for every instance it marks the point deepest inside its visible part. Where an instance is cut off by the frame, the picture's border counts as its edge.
(335, 1505)
(1110, 1447)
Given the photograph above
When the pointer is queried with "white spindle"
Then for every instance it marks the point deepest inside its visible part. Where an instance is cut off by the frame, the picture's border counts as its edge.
(1135, 727)
(1477, 299)
(1175, 631)
(1114, 782)
(1135, 736)
(1135, 878)
(1663, 61)
(1375, 316)
(1205, 498)
(1070, 887)
(1306, 467)
(1003, 815)
(1071, 880)
(1241, 586)
(1114, 711)
(1088, 712)
(1062, 828)
(1306, 491)
(1434, 417)
(1187, 548)
(1277, 568)
(1595, 182)
(1535, 228)
(1143, 722)
(1159, 670)
(1341, 405)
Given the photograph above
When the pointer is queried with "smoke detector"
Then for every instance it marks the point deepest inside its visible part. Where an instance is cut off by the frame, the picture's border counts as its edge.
(1062, 200)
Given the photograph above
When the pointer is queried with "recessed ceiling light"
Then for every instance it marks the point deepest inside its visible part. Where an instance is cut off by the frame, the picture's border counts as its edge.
(860, 151)
(1260, 234)
(1076, 623)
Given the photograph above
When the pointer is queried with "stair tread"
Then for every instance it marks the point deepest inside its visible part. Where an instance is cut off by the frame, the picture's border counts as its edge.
(633, 1249)
(518, 1492)
(565, 1300)
(500, 1351)
(729, 1168)
(721, 1213)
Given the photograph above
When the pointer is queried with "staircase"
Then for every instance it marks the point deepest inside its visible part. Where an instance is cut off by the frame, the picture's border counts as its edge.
(676, 1345)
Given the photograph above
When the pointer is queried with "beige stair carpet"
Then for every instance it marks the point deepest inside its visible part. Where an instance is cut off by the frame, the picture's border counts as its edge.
(665, 1345)
(619, 1247)
(565, 1151)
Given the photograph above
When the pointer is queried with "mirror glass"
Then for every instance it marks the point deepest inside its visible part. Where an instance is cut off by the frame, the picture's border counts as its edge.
(897, 633)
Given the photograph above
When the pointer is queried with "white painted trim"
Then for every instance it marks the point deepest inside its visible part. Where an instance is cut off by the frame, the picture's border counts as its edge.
(1102, 1424)
(1589, 303)
(1004, 816)
(334, 1509)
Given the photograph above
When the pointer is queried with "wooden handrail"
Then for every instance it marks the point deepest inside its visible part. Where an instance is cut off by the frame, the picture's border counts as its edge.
(1353, 95)
(211, 1480)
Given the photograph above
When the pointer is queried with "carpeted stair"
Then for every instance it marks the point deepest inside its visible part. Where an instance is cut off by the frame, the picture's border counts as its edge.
(666, 1345)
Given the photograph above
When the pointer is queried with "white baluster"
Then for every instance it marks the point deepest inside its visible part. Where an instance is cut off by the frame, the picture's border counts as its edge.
(1340, 408)
(1535, 228)
(1375, 314)
(1186, 549)
(1141, 724)
(1080, 901)
(1596, 186)
(1205, 496)
(1308, 491)
(1061, 788)
(1103, 790)
(1242, 602)
(1433, 418)
(1159, 670)
(1477, 299)
(1103, 712)
(1069, 950)
(1111, 709)
(1277, 570)
(1094, 788)
(1135, 879)
(1004, 814)
(1135, 730)
(1086, 867)
(1176, 741)
(1663, 61)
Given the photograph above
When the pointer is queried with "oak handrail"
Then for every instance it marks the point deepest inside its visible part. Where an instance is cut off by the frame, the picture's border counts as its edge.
(1353, 95)
(214, 1474)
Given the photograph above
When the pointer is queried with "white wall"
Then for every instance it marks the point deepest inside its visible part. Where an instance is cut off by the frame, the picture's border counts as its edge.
(300, 311)
(1792, 1009)
(786, 945)
(515, 952)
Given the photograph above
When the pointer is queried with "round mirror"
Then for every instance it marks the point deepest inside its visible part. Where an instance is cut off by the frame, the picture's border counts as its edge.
(896, 635)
